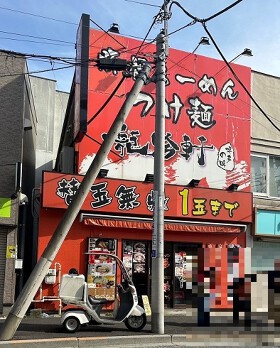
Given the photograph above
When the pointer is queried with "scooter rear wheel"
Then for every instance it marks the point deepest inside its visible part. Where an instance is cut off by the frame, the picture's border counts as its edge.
(136, 323)
(71, 324)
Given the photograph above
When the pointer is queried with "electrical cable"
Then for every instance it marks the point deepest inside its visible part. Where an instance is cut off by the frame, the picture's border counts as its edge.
(196, 19)
(193, 73)
(184, 58)
(149, 30)
(181, 28)
(136, 47)
(36, 37)
(120, 82)
(36, 72)
(142, 3)
(33, 41)
(65, 60)
(106, 32)
(107, 101)
(35, 15)
(237, 78)
(222, 11)
(185, 11)
(198, 76)
(99, 143)
(142, 44)
(33, 55)
(262, 125)
(203, 22)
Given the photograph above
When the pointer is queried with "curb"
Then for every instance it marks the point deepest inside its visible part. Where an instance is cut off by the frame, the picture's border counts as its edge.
(188, 340)
(88, 342)
(42, 343)
(124, 340)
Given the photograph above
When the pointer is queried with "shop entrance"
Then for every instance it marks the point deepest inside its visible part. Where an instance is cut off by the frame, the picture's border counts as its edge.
(180, 273)
(180, 270)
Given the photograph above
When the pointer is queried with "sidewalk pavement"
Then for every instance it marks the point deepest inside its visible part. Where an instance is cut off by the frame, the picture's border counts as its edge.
(180, 330)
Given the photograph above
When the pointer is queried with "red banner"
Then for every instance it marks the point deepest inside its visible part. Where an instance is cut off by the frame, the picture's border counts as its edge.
(131, 197)
(207, 117)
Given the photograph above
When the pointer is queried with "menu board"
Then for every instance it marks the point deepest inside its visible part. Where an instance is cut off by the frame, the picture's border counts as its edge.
(101, 275)
(134, 257)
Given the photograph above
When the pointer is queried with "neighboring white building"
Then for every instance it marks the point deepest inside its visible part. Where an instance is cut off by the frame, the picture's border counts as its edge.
(265, 180)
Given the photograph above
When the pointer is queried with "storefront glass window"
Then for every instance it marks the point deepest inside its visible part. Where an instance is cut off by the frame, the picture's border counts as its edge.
(259, 174)
(274, 176)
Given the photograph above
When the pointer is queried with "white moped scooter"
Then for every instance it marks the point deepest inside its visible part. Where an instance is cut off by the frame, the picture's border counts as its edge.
(74, 291)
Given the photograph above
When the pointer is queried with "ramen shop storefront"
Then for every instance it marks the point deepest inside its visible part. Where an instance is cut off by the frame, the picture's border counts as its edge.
(205, 233)
(189, 251)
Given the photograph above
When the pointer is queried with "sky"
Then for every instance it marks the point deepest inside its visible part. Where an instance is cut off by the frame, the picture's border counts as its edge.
(49, 28)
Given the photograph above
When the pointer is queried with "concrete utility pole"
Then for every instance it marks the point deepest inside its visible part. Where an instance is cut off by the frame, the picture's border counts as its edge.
(40, 270)
(157, 301)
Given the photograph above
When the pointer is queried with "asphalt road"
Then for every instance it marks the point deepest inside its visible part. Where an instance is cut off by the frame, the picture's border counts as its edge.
(179, 331)
(31, 328)
(51, 327)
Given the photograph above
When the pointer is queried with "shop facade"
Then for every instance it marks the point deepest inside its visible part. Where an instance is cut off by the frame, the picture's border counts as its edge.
(208, 203)
(213, 244)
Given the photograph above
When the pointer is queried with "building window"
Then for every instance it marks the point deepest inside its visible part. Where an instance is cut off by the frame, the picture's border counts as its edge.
(265, 175)
(274, 176)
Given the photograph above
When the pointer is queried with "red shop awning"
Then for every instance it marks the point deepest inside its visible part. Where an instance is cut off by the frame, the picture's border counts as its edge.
(169, 226)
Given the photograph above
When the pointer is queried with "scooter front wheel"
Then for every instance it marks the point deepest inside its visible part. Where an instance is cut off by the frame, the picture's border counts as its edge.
(136, 322)
(71, 324)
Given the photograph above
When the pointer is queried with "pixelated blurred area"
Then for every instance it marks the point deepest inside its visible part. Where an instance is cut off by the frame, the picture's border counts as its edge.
(222, 283)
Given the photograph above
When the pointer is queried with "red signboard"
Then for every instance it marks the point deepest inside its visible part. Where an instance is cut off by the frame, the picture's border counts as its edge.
(207, 117)
(132, 197)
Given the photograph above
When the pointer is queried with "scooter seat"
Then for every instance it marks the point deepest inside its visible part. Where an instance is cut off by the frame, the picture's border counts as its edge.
(95, 301)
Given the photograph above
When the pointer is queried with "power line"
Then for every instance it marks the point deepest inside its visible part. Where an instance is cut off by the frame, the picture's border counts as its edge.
(196, 19)
(107, 101)
(106, 32)
(136, 47)
(99, 143)
(184, 58)
(36, 15)
(38, 42)
(149, 30)
(193, 73)
(238, 79)
(142, 3)
(222, 11)
(66, 60)
(24, 55)
(35, 37)
(203, 22)
(36, 72)
(181, 28)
